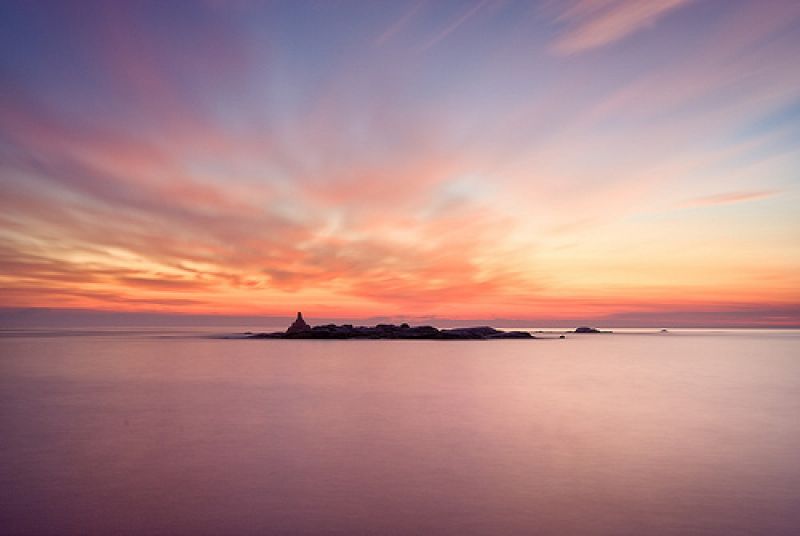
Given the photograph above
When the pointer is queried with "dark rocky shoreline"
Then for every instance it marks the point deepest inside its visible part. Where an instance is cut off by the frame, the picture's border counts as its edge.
(392, 331)
(301, 330)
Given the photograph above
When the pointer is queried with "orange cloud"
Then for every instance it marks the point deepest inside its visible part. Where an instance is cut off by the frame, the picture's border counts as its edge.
(518, 184)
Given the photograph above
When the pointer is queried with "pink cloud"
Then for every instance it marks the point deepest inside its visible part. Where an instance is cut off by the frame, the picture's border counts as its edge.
(369, 195)
(730, 198)
(596, 23)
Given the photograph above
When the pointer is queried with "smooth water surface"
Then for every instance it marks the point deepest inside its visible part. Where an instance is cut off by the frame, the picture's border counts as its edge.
(124, 432)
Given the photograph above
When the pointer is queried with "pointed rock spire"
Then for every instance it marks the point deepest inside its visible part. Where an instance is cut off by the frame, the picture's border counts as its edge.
(298, 325)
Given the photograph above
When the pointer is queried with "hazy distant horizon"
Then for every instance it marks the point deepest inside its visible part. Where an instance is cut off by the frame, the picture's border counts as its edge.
(16, 318)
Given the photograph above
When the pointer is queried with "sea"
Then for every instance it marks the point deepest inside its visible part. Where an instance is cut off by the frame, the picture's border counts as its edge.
(163, 431)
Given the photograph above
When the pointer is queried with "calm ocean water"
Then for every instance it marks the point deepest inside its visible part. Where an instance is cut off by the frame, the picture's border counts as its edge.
(167, 432)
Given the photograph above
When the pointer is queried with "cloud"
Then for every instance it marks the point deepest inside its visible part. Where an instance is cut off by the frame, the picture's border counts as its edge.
(454, 25)
(373, 179)
(399, 24)
(597, 23)
(90, 191)
(729, 198)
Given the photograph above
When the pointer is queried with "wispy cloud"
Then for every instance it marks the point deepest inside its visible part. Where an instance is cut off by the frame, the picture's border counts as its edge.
(596, 23)
(399, 24)
(453, 26)
(287, 165)
(729, 198)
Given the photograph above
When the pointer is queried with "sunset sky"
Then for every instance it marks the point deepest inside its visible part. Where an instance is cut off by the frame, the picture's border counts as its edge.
(479, 159)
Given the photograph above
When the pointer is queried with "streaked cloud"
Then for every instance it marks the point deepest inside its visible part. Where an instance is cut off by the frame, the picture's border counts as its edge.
(266, 157)
(729, 198)
(398, 24)
(597, 23)
(454, 25)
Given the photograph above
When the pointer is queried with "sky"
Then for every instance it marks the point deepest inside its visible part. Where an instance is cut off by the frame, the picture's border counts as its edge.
(543, 161)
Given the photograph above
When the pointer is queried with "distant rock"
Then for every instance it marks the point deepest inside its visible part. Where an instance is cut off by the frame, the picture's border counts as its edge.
(586, 329)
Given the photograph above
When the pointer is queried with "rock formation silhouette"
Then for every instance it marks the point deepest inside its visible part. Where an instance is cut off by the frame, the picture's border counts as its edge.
(299, 325)
(586, 329)
(301, 330)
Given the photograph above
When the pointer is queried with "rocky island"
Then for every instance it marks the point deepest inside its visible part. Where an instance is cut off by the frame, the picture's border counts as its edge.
(586, 329)
(301, 330)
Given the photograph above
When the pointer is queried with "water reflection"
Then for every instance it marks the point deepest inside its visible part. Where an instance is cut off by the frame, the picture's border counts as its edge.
(613, 435)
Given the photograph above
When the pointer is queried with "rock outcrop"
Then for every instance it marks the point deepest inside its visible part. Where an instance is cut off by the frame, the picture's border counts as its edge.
(298, 326)
(300, 330)
(585, 329)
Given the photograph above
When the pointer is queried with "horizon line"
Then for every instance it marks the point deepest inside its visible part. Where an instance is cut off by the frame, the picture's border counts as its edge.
(24, 317)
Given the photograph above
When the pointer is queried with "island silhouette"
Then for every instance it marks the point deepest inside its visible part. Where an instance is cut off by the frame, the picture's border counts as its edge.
(300, 329)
